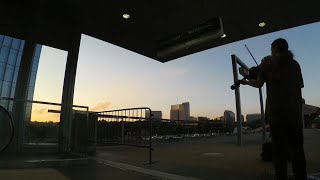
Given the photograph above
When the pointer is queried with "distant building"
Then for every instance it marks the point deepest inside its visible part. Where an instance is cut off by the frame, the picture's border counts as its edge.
(203, 119)
(228, 117)
(192, 118)
(186, 107)
(180, 111)
(157, 115)
(221, 118)
(174, 114)
(253, 117)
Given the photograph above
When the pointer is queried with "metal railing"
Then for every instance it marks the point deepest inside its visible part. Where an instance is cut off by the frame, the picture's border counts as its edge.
(42, 103)
(243, 67)
(132, 127)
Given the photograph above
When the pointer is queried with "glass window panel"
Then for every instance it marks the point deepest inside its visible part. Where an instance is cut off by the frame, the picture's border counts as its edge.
(35, 65)
(18, 60)
(9, 75)
(5, 83)
(15, 76)
(30, 95)
(1, 39)
(2, 70)
(16, 43)
(32, 80)
(7, 41)
(33, 73)
(12, 58)
(16, 70)
(13, 50)
(11, 67)
(21, 46)
(13, 90)
(5, 91)
(4, 54)
(38, 50)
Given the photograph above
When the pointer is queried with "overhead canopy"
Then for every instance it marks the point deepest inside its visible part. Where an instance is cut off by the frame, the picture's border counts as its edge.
(52, 22)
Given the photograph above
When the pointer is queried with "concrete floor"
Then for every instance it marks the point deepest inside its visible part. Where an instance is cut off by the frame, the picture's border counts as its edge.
(32, 174)
(217, 158)
(99, 171)
(92, 171)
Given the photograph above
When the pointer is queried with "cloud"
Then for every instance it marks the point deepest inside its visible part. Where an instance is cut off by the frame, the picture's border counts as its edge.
(40, 111)
(101, 106)
(42, 115)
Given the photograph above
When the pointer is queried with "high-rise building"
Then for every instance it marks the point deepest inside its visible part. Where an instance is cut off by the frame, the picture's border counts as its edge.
(174, 114)
(10, 58)
(228, 117)
(180, 111)
(186, 107)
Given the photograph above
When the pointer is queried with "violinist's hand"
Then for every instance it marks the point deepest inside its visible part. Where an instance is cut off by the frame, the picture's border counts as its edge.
(243, 82)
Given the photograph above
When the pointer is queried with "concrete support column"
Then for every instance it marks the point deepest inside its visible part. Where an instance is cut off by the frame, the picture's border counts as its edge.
(21, 93)
(66, 115)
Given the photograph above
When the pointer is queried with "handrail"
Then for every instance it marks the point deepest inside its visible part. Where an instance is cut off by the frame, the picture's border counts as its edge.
(40, 102)
(46, 103)
(103, 114)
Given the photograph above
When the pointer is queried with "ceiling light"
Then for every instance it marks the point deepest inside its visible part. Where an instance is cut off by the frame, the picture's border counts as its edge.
(262, 24)
(223, 36)
(126, 16)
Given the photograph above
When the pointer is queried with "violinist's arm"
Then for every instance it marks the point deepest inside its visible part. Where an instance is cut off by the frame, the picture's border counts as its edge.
(257, 83)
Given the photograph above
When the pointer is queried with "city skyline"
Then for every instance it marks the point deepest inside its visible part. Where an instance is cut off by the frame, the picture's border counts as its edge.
(110, 77)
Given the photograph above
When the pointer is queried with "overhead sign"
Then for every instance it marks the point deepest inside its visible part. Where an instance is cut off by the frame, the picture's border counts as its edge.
(190, 38)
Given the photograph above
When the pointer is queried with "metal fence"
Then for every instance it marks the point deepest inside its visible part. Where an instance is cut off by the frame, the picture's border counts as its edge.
(243, 67)
(40, 133)
(132, 127)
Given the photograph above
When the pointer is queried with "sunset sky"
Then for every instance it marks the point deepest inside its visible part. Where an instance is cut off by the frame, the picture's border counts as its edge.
(110, 77)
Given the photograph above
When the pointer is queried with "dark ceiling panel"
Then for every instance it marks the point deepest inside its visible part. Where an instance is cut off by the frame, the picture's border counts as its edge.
(52, 22)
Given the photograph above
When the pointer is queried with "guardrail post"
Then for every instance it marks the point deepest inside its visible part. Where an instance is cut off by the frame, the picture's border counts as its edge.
(150, 136)
(238, 102)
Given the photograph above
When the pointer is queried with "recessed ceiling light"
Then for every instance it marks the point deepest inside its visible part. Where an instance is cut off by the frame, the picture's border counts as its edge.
(223, 36)
(262, 24)
(126, 16)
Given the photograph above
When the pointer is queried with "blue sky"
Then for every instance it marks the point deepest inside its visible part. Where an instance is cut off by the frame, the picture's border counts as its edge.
(110, 77)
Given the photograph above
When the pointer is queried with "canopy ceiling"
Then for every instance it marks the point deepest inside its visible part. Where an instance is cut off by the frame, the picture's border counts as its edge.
(52, 22)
